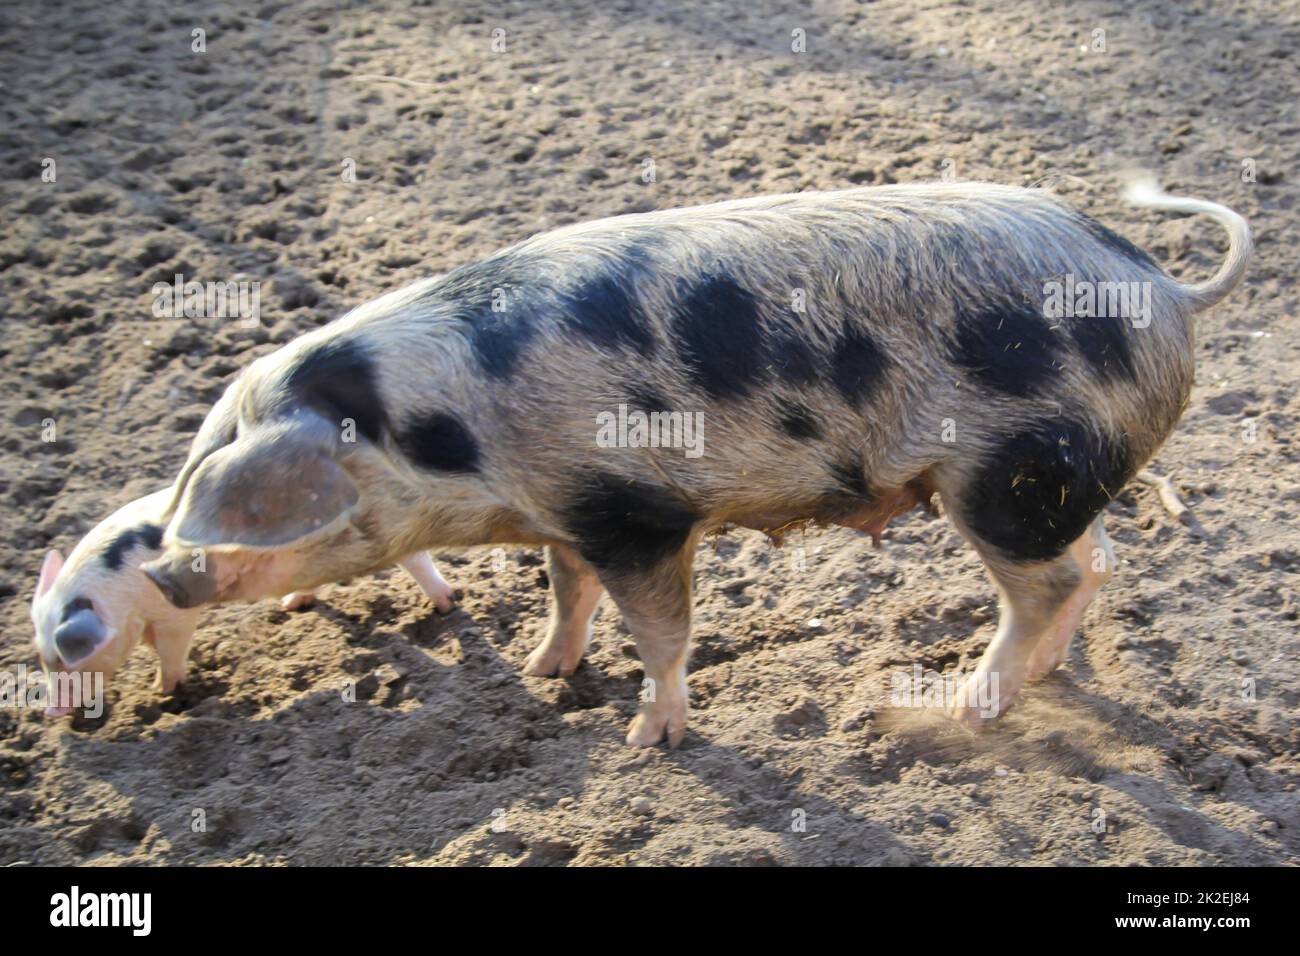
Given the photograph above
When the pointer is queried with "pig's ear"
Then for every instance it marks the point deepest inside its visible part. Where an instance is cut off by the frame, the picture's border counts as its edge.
(217, 431)
(271, 487)
(50, 569)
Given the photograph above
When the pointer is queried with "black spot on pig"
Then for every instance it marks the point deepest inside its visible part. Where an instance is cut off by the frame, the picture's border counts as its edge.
(149, 535)
(498, 340)
(1009, 348)
(849, 477)
(337, 379)
(75, 605)
(718, 336)
(1041, 488)
(490, 298)
(1115, 242)
(622, 525)
(858, 365)
(439, 442)
(1103, 342)
(644, 398)
(605, 310)
(792, 358)
(798, 422)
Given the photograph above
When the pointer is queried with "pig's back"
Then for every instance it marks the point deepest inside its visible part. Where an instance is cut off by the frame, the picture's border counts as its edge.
(821, 338)
(830, 345)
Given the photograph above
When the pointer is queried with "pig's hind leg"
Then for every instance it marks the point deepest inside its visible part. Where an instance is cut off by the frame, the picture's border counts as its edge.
(1032, 597)
(1095, 559)
(421, 567)
(1031, 506)
(575, 593)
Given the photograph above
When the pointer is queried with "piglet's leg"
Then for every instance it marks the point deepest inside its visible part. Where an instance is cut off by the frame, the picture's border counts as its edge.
(575, 593)
(298, 600)
(421, 567)
(172, 640)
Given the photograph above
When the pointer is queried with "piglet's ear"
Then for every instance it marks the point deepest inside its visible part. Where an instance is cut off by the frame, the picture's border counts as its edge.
(50, 569)
(273, 486)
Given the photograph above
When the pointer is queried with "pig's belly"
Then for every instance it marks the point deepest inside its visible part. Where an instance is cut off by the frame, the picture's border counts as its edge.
(869, 515)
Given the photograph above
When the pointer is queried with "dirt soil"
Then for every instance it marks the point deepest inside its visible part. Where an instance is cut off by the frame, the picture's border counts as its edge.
(228, 164)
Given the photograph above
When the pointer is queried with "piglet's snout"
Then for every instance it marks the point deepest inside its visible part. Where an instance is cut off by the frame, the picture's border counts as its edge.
(179, 582)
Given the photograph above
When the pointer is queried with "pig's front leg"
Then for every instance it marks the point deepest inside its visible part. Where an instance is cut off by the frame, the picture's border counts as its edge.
(656, 607)
(575, 593)
(421, 567)
(172, 639)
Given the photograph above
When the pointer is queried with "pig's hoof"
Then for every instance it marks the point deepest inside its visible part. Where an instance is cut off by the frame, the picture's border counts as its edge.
(978, 714)
(1041, 666)
(972, 718)
(298, 600)
(553, 660)
(982, 698)
(444, 601)
(1038, 671)
(167, 686)
(652, 724)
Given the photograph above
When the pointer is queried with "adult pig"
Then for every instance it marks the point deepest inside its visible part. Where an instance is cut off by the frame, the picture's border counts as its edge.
(843, 354)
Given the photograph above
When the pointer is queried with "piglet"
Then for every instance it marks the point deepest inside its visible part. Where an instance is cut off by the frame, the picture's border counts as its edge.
(91, 610)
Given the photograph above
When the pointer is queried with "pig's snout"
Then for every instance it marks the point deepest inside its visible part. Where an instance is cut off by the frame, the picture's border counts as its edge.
(80, 636)
(179, 582)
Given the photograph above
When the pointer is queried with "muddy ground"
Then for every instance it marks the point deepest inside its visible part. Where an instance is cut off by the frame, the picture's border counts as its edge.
(228, 164)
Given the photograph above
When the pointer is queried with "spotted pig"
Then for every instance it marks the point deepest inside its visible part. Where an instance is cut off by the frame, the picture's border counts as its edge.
(849, 355)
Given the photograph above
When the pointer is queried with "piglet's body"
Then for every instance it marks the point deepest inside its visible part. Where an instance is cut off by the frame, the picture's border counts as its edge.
(92, 610)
